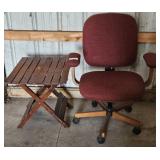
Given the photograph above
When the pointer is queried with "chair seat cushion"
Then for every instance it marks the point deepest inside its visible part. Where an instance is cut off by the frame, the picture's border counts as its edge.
(112, 86)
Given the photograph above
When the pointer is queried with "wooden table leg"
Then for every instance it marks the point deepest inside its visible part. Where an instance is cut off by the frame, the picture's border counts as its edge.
(39, 92)
(44, 104)
(57, 94)
(37, 101)
(29, 107)
(34, 106)
(52, 112)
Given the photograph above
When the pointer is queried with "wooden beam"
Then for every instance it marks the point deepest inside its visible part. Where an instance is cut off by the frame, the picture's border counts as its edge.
(26, 35)
(147, 37)
(42, 35)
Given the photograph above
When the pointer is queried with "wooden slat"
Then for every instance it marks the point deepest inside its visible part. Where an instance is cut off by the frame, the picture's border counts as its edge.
(64, 75)
(58, 105)
(143, 37)
(10, 78)
(58, 70)
(61, 106)
(42, 35)
(37, 71)
(22, 71)
(147, 37)
(51, 70)
(63, 109)
(45, 70)
(30, 70)
(40, 71)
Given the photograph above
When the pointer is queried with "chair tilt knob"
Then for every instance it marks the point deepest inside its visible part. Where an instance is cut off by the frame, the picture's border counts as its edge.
(150, 59)
(73, 60)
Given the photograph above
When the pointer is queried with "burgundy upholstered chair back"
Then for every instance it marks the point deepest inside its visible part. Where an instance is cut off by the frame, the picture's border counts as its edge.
(110, 40)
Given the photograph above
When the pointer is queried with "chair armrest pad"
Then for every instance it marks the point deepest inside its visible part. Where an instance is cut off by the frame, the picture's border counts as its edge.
(73, 60)
(150, 59)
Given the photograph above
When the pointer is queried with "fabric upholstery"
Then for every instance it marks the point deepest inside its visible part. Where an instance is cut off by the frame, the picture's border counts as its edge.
(150, 59)
(112, 86)
(74, 60)
(110, 39)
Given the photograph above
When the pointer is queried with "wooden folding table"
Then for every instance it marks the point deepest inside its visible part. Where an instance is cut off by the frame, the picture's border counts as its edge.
(47, 73)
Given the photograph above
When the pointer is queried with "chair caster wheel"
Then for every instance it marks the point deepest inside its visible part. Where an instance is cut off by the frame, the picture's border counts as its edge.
(136, 130)
(100, 139)
(76, 120)
(94, 104)
(128, 109)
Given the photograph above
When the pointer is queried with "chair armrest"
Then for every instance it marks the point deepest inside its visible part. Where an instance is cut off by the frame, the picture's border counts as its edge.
(150, 59)
(73, 60)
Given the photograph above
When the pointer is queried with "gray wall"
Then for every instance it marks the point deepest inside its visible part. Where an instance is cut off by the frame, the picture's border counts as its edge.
(65, 21)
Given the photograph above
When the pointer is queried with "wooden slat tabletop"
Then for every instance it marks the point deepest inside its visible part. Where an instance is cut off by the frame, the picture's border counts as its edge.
(58, 71)
(51, 70)
(40, 71)
(30, 70)
(15, 71)
(22, 71)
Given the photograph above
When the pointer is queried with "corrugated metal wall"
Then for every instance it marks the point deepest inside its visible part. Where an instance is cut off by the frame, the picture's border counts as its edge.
(65, 21)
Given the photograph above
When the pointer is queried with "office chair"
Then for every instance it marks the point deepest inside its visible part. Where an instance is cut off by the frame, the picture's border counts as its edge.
(110, 41)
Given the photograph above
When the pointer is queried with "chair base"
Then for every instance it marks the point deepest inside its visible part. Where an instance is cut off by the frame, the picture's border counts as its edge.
(109, 112)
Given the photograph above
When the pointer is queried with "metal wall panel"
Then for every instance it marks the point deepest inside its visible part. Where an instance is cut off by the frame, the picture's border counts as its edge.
(47, 21)
(71, 21)
(5, 21)
(8, 57)
(20, 20)
(147, 22)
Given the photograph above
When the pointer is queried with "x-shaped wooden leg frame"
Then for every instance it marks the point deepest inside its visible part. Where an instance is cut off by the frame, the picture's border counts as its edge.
(39, 100)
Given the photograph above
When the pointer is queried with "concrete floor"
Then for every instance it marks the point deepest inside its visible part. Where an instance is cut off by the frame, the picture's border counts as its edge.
(44, 131)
